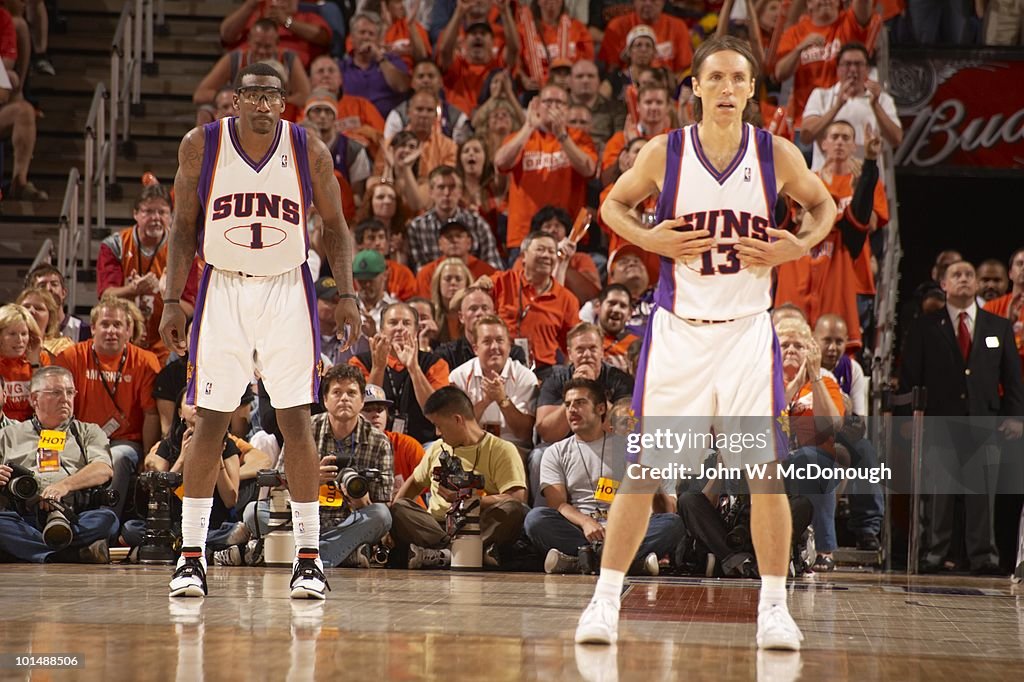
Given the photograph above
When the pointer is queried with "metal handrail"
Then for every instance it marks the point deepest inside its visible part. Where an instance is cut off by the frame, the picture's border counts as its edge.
(99, 150)
(44, 255)
(70, 236)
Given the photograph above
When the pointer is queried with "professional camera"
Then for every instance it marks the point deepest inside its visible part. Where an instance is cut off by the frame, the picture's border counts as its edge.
(356, 482)
(735, 510)
(57, 532)
(23, 485)
(270, 478)
(450, 474)
(589, 556)
(162, 540)
(93, 498)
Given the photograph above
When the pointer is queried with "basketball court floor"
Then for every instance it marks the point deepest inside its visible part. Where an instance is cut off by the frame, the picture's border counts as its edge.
(497, 627)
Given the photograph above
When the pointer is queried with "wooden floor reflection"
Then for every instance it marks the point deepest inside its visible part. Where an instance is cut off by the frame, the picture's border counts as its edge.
(401, 625)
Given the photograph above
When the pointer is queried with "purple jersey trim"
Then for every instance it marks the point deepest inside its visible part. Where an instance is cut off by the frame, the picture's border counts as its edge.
(665, 209)
(640, 385)
(237, 144)
(301, 150)
(766, 159)
(211, 151)
(197, 323)
(314, 322)
(720, 178)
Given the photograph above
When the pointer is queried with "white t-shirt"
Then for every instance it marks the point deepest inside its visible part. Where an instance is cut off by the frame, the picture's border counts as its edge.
(856, 111)
(521, 386)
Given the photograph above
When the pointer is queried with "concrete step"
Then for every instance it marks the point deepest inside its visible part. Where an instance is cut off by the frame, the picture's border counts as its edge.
(210, 9)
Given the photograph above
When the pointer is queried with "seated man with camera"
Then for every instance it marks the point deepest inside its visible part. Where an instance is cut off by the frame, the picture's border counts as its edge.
(51, 467)
(356, 477)
(579, 477)
(162, 477)
(472, 474)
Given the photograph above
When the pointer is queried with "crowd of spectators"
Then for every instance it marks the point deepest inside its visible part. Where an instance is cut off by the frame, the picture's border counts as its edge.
(473, 142)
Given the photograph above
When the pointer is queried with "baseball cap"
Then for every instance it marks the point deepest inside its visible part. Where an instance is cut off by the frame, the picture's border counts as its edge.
(561, 63)
(452, 225)
(375, 394)
(320, 99)
(480, 26)
(326, 287)
(649, 260)
(638, 31)
(368, 264)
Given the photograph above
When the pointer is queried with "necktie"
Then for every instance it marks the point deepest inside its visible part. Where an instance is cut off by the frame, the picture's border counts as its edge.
(963, 336)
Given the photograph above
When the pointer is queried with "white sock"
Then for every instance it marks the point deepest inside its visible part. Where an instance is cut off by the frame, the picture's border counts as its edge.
(195, 521)
(306, 525)
(773, 591)
(609, 585)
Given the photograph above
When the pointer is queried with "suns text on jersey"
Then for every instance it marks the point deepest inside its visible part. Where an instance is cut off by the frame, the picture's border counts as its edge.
(256, 204)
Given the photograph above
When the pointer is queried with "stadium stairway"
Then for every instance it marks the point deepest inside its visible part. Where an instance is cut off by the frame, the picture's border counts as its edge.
(80, 48)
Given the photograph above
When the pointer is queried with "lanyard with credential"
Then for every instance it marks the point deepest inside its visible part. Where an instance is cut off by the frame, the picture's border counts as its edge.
(112, 392)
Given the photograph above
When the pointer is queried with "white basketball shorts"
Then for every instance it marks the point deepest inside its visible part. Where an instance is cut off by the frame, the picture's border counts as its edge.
(244, 326)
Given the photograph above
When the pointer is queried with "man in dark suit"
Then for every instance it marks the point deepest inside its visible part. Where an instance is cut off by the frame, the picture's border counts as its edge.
(967, 360)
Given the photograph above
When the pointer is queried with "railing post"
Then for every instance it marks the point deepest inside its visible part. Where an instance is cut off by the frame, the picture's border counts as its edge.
(115, 94)
(148, 9)
(137, 57)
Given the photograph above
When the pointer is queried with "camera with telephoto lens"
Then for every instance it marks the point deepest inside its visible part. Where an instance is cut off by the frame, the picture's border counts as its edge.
(23, 485)
(162, 538)
(450, 474)
(356, 482)
(589, 556)
(735, 510)
(271, 478)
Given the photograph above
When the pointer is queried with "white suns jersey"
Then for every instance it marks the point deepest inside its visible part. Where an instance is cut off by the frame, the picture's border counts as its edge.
(734, 203)
(254, 212)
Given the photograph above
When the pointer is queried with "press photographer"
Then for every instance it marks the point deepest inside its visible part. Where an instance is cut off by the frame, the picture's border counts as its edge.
(356, 478)
(156, 497)
(67, 460)
(502, 505)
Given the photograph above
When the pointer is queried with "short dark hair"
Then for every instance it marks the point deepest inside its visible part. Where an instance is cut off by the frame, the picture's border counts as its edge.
(400, 304)
(340, 373)
(265, 24)
(547, 213)
(1014, 255)
(597, 392)
(422, 299)
(258, 69)
(448, 401)
(42, 271)
(368, 225)
(443, 171)
(613, 287)
(854, 46)
(996, 262)
(530, 238)
(150, 192)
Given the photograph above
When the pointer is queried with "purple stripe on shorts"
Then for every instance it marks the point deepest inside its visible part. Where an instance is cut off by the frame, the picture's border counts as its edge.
(193, 341)
(778, 400)
(665, 209)
(640, 385)
(314, 323)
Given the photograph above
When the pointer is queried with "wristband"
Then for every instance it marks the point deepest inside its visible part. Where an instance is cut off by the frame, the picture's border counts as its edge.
(351, 296)
(176, 301)
(561, 138)
(288, 22)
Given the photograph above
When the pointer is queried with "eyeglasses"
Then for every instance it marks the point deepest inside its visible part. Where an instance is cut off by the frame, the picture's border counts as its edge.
(163, 212)
(258, 95)
(59, 392)
(859, 65)
(554, 102)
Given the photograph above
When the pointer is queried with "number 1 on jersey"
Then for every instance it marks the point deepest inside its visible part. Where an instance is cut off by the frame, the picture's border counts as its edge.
(257, 236)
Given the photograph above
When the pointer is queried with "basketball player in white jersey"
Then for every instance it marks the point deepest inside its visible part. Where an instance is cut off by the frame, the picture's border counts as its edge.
(710, 352)
(243, 191)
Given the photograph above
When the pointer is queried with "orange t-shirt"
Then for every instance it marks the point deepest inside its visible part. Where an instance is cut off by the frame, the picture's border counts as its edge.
(817, 66)
(674, 47)
(398, 39)
(616, 242)
(401, 282)
(464, 81)
(822, 282)
(132, 394)
(614, 146)
(802, 410)
(544, 319)
(477, 267)
(841, 187)
(1001, 307)
(355, 111)
(579, 43)
(542, 175)
(614, 346)
(407, 453)
(17, 373)
(287, 39)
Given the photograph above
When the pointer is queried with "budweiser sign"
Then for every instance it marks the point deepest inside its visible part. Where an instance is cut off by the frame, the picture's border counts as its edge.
(962, 111)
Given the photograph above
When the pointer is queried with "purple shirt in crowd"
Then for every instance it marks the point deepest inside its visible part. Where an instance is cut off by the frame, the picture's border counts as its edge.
(370, 83)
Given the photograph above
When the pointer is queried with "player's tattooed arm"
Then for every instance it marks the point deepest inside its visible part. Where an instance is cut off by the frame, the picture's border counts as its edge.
(337, 239)
(182, 242)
